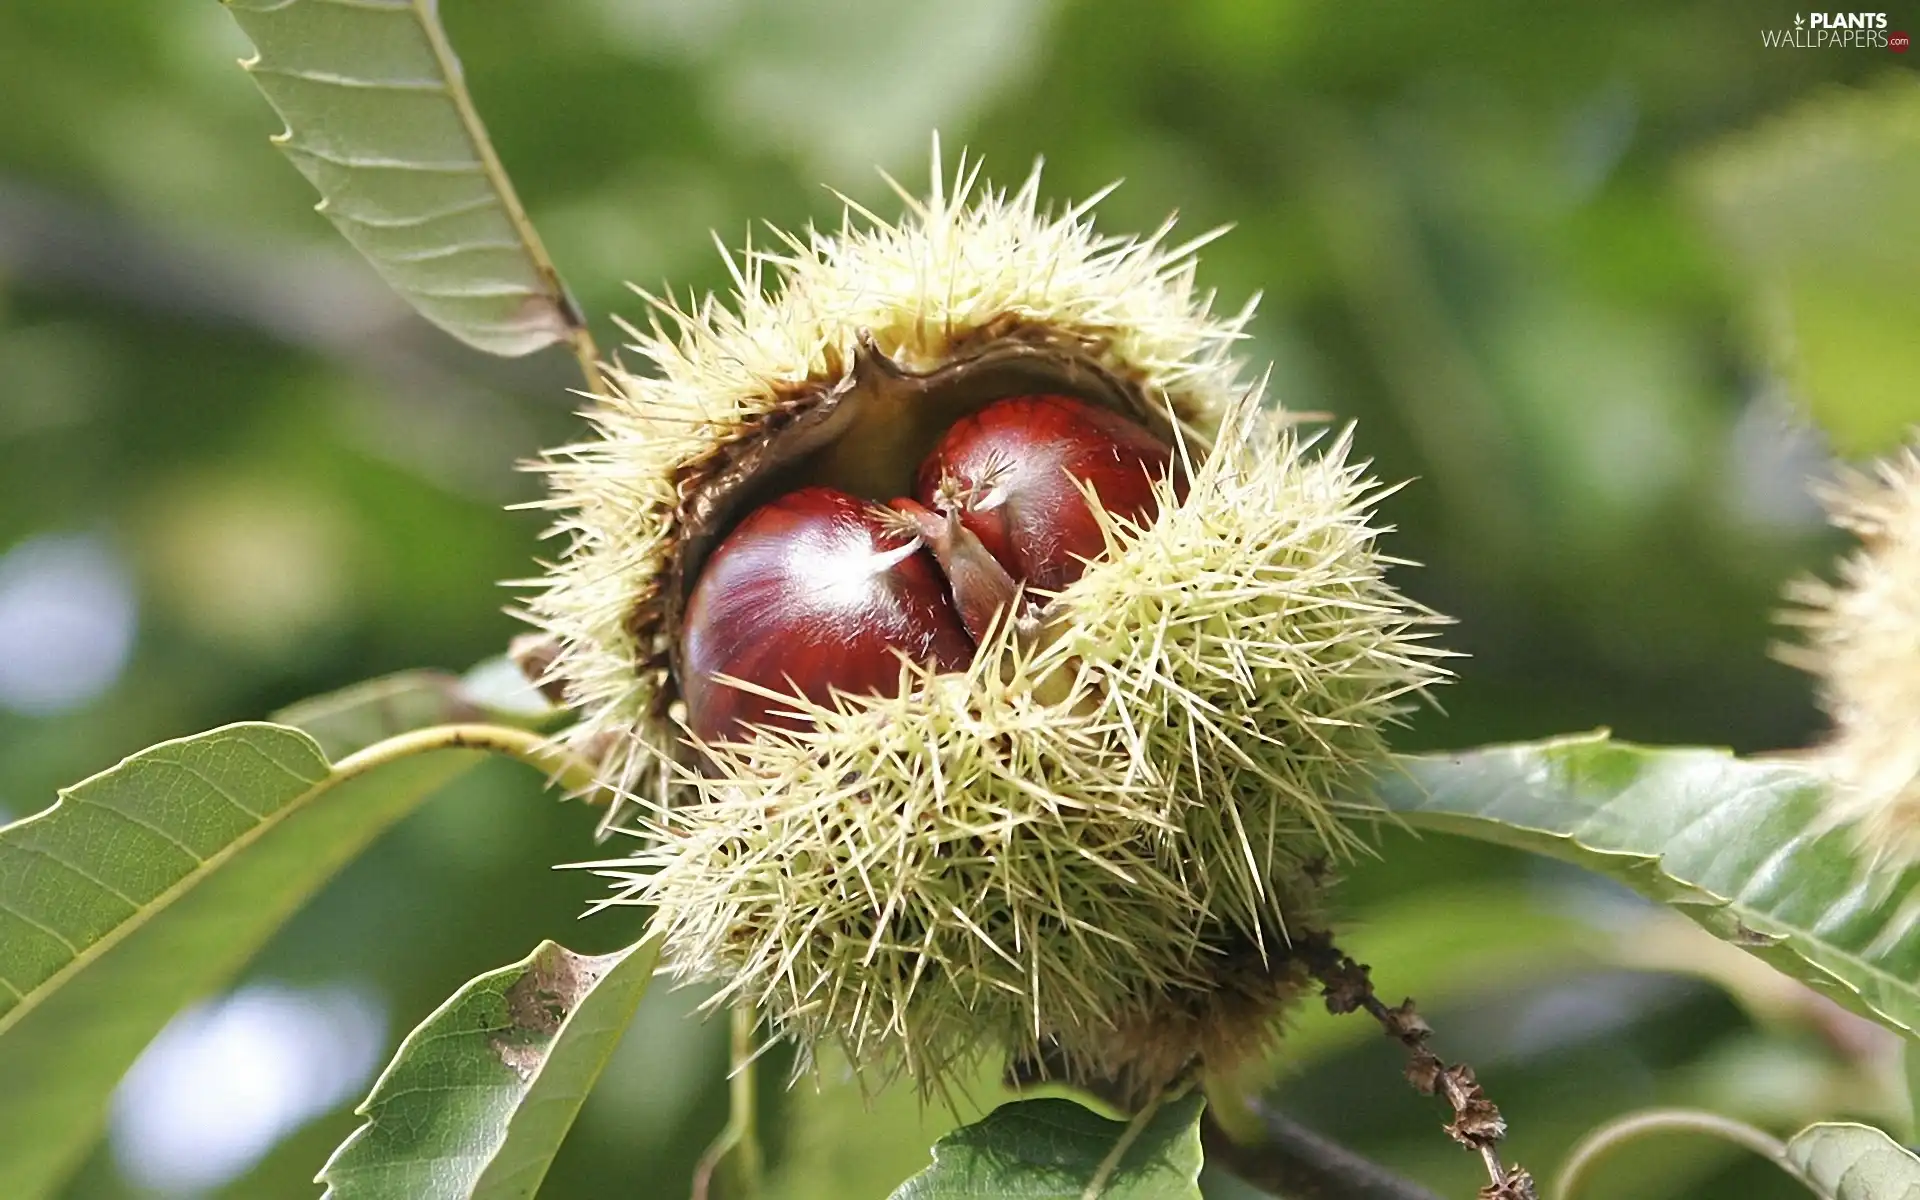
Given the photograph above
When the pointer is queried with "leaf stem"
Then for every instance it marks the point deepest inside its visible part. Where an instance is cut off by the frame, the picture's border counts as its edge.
(566, 771)
(1128, 1136)
(585, 352)
(739, 1142)
(579, 337)
(1578, 1168)
(744, 1093)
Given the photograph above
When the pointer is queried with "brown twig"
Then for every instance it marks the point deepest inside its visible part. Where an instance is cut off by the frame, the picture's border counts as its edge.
(1476, 1123)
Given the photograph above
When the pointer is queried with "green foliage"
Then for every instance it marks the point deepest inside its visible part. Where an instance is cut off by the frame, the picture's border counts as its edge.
(1479, 253)
(146, 887)
(1741, 846)
(379, 119)
(1057, 1150)
(1855, 1162)
(481, 1094)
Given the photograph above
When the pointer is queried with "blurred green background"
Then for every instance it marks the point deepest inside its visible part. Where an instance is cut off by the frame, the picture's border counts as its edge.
(1577, 271)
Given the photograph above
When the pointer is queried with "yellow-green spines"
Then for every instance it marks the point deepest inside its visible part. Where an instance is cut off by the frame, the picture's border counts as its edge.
(1051, 846)
(1090, 848)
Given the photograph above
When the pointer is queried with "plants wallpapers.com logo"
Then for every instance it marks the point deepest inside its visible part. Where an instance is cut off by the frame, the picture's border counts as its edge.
(1837, 31)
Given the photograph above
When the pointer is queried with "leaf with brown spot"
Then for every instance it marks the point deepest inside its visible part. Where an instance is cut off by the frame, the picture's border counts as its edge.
(481, 1094)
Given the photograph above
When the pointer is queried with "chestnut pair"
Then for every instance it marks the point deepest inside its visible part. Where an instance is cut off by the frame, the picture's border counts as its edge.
(820, 591)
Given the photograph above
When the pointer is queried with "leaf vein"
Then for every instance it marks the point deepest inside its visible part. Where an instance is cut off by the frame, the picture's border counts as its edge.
(149, 826)
(408, 222)
(356, 82)
(478, 291)
(452, 250)
(51, 932)
(76, 869)
(372, 162)
(207, 781)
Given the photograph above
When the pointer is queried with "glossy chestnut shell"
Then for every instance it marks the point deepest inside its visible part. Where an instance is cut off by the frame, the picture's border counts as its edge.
(815, 591)
(819, 590)
(1013, 471)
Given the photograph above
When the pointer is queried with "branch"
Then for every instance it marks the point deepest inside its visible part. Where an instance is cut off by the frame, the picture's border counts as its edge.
(1476, 1123)
(1293, 1161)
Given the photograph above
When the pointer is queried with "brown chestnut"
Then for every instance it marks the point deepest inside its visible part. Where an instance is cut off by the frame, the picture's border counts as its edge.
(815, 591)
(1012, 471)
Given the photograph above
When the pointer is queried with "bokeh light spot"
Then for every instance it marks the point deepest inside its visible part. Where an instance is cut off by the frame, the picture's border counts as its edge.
(226, 1080)
(67, 618)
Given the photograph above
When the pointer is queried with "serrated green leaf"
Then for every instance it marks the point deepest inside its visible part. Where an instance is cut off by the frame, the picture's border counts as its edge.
(1822, 209)
(356, 717)
(1855, 1162)
(480, 1095)
(1051, 1150)
(147, 887)
(379, 120)
(1738, 845)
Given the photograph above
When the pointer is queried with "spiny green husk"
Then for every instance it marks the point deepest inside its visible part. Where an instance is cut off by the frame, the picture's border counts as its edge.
(1091, 848)
(972, 867)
